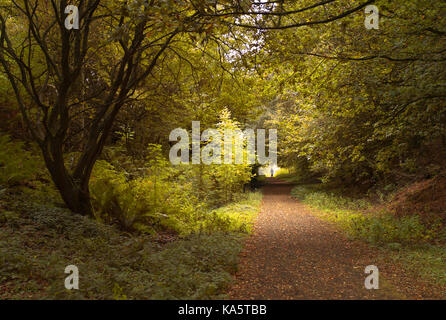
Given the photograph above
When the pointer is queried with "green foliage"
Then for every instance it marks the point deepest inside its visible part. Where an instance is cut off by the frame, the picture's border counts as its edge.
(17, 165)
(224, 181)
(37, 243)
(388, 229)
(6, 215)
(327, 200)
(197, 268)
(150, 194)
(119, 200)
(354, 106)
(154, 202)
(361, 107)
(376, 228)
(425, 260)
(236, 217)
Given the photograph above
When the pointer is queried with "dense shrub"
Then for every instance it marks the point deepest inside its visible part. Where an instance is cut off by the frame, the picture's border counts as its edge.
(117, 199)
(149, 194)
(150, 202)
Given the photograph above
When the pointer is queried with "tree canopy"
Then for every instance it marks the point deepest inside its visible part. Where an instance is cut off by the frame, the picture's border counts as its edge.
(351, 103)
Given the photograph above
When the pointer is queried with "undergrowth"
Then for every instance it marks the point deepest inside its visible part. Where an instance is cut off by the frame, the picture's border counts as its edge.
(155, 233)
(38, 242)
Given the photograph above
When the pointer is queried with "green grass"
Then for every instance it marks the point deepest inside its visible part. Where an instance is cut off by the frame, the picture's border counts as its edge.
(415, 244)
(288, 177)
(377, 227)
(282, 172)
(236, 217)
(38, 242)
(427, 260)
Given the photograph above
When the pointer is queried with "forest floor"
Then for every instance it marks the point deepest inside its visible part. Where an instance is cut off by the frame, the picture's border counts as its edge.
(292, 254)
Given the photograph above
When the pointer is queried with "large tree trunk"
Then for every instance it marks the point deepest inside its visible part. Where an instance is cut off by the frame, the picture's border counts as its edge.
(73, 190)
(77, 199)
(76, 195)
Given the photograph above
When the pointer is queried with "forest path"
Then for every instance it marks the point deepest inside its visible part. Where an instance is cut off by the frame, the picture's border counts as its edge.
(294, 255)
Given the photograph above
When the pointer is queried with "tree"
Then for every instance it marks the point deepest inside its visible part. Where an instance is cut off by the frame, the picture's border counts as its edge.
(60, 76)
(364, 106)
(49, 94)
